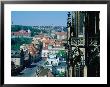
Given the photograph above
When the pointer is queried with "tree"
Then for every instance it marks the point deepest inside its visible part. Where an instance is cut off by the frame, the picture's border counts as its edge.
(22, 58)
(13, 69)
(12, 65)
(16, 42)
(62, 53)
(30, 59)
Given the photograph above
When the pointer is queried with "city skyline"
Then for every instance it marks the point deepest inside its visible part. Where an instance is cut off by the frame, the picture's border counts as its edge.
(53, 52)
(34, 18)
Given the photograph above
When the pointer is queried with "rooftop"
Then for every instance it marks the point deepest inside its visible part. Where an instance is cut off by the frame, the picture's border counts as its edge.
(61, 33)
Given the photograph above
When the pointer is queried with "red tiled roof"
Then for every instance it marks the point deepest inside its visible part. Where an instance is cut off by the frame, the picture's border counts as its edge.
(61, 33)
(21, 32)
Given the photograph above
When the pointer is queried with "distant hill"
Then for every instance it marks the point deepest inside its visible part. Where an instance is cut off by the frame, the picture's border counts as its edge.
(37, 29)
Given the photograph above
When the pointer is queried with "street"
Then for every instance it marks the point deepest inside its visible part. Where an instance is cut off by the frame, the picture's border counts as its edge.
(31, 71)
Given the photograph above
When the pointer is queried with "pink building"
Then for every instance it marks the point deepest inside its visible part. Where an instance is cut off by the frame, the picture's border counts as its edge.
(21, 33)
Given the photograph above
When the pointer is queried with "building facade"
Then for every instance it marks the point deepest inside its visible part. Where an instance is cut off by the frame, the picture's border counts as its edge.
(83, 41)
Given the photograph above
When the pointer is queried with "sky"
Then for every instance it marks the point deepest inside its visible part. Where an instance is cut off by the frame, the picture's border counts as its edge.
(34, 18)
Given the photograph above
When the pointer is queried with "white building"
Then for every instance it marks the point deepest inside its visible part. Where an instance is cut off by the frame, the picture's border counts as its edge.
(45, 53)
(16, 61)
(61, 35)
(61, 69)
(55, 50)
(53, 60)
(24, 47)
